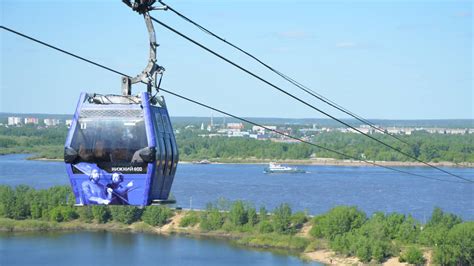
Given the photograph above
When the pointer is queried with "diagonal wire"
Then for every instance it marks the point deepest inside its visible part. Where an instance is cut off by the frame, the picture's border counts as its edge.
(302, 101)
(302, 140)
(234, 116)
(286, 77)
(61, 50)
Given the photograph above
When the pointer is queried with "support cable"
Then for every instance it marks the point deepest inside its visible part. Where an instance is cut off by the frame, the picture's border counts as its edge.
(304, 141)
(286, 77)
(300, 100)
(228, 114)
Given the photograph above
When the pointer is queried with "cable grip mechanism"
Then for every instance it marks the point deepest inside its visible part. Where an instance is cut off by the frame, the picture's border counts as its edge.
(152, 69)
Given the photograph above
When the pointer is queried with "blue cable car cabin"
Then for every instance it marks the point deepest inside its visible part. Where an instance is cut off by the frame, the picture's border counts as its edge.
(121, 150)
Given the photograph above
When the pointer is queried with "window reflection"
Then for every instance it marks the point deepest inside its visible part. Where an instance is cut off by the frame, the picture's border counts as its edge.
(109, 140)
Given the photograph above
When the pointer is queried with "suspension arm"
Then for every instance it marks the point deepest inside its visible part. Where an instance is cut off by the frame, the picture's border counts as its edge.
(149, 74)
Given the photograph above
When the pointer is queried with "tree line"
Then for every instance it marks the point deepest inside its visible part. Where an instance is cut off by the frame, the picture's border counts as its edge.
(344, 229)
(48, 143)
(424, 146)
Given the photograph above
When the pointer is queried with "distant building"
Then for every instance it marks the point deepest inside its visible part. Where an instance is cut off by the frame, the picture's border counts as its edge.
(262, 130)
(259, 136)
(253, 136)
(364, 130)
(457, 131)
(31, 120)
(14, 121)
(240, 134)
(68, 123)
(238, 126)
(49, 122)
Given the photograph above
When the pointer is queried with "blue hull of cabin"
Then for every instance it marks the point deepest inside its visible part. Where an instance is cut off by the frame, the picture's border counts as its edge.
(151, 181)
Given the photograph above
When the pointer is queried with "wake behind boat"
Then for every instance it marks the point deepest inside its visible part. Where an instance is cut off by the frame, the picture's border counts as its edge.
(274, 168)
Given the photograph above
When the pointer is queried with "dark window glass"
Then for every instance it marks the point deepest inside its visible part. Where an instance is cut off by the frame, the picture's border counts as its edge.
(110, 141)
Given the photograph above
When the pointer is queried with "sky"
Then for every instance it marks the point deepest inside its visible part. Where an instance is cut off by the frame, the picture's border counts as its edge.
(379, 59)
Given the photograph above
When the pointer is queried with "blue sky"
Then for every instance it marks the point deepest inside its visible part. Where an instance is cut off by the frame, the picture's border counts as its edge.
(379, 59)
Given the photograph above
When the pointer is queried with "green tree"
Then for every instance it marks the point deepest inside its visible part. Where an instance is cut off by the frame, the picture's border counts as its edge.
(458, 246)
(125, 214)
(282, 219)
(7, 201)
(265, 227)
(156, 215)
(63, 214)
(298, 219)
(211, 219)
(237, 214)
(337, 221)
(252, 216)
(21, 207)
(101, 213)
(56, 214)
(408, 231)
(363, 251)
(262, 213)
(85, 213)
(413, 255)
(190, 219)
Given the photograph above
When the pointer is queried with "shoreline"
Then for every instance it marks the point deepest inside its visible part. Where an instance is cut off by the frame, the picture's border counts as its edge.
(321, 255)
(171, 228)
(315, 162)
(324, 256)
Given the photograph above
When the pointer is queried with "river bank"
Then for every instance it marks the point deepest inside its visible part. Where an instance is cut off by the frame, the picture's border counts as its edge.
(314, 161)
(338, 235)
(321, 254)
(170, 228)
(338, 162)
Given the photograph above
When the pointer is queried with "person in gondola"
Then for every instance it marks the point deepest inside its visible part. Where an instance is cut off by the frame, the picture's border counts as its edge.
(119, 191)
(85, 154)
(93, 192)
(100, 152)
(119, 153)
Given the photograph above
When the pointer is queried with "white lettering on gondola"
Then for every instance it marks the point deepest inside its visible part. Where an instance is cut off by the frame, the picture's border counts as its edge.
(127, 169)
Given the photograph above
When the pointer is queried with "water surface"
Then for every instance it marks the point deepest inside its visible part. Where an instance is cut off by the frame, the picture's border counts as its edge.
(105, 248)
(370, 188)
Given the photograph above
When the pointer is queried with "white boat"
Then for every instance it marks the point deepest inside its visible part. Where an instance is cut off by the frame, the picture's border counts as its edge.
(202, 162)
(274, 168)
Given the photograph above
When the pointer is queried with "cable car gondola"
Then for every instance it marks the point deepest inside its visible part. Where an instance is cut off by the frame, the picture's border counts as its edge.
(121, 149)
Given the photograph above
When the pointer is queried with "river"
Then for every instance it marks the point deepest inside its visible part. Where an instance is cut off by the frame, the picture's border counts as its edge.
(370, 188)
(105, 248)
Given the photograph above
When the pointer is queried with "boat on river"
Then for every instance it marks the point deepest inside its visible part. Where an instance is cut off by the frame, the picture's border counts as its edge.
(274, 168)
(202, 162)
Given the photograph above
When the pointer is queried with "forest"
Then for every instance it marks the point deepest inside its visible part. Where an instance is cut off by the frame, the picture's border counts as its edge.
(48, 143)
(344, 229)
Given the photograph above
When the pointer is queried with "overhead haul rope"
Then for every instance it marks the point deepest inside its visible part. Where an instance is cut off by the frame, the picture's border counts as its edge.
(300, 100)
(231, 115)
(284, 76)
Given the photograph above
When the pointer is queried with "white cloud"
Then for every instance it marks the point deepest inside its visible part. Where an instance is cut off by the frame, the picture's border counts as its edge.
(346, 44)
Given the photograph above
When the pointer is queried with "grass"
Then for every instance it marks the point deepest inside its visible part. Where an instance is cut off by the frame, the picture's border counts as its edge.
(45, 151)
(275, 241)
(10, 225)
(190, 219)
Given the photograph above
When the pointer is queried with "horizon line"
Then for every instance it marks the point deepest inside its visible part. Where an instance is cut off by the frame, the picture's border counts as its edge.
(259, 117)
